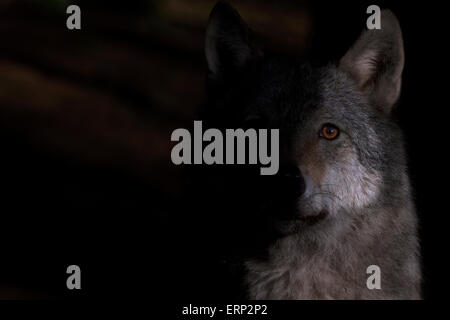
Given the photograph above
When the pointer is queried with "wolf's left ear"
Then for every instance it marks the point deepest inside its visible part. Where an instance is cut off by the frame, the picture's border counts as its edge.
(375, 62)
(229, 44)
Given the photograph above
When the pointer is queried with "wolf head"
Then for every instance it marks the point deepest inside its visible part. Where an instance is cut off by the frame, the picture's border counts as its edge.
(340, 150)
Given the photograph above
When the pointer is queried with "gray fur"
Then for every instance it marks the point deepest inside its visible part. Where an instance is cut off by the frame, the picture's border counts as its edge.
(329, 260)
(359, 179)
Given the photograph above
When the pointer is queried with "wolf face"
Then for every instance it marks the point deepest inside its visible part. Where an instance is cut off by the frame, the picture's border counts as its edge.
(341, 197)
(352, 100)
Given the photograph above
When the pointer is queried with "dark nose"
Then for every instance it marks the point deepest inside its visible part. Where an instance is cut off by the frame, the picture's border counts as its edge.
(292, 181)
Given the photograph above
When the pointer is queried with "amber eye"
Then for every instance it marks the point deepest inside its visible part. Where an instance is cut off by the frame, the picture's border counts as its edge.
(329, 131)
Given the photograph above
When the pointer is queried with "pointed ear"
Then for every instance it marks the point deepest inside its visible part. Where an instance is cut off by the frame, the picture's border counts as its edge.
(376, 62)
(229, 44)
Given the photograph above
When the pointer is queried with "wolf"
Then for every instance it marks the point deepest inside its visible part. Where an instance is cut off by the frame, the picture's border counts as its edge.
(342, 200)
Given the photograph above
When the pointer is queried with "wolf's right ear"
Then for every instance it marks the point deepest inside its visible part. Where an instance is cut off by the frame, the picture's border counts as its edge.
(375, 62)
(229, 44)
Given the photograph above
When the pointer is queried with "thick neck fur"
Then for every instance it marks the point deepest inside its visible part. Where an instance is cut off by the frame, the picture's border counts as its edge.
(329, 260)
